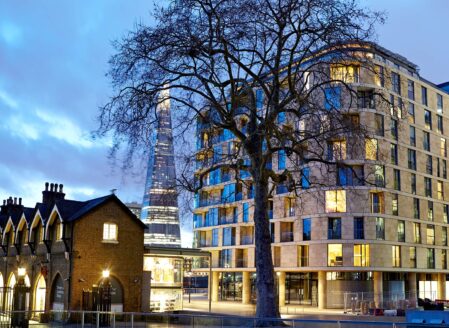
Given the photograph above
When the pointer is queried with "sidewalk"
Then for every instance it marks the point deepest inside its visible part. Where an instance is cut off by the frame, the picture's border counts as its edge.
(199, 303)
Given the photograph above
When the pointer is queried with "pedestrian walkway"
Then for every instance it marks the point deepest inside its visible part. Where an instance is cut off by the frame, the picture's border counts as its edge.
(199, 303)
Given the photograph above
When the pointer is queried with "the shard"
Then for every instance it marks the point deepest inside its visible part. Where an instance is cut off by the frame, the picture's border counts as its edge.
(160, 210)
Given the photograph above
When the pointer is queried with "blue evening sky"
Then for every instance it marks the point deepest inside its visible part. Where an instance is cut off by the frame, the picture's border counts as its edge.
(53, 60)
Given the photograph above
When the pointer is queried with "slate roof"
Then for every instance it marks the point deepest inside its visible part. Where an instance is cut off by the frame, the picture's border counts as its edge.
(70, 210)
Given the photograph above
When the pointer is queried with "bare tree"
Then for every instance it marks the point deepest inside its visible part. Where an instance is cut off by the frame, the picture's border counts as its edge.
(256, 69)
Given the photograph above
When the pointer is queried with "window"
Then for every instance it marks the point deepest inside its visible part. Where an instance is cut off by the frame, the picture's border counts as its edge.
(416, 233)
(429, 164)
(396, 256)
(428, 187)
(443, 151)
(371, 149)
(58, 229)
(394, 154)
(228, 236)
(396, 82)
(394, 128)
(226, 258)
(444, 259)
(416, 208)
(335, 201)
(427, 119)
(245, 212)
(444, 236)
(412, 256)
(214, 237)
(336, 150)
(440, 190)
(365, 99)
(379, 124)
(394, 204)
(411, 113)
(412, 159)
(359, 232)
(380, 229)
(109, 232)
(430, 234)
(350, 175)
(281, 159)
(440, 124)
(379, 76)
(334, 254)
(412, 136)
(397, 179)
(377, 201)
(334, 228)
(444, 168)
(303, 255)
(411, 90)
(401, 231)
(426, 141)
(289, 207)
(424, 96)
(361, 255)
(332, 96)
(379, 175)
(306, 229)
(305, 179)
(413, 183)
(445, 213)
(439, 103)
(430, 258)
(430, 210)
(345, 73)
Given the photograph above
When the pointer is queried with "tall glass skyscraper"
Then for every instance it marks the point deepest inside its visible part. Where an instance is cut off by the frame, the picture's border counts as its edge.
(160, 201)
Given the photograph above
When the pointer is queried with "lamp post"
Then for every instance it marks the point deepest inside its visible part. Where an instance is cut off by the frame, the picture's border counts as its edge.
(104, 298)
(19, 317)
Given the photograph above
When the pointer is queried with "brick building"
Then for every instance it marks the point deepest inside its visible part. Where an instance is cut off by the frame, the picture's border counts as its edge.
(66, 245)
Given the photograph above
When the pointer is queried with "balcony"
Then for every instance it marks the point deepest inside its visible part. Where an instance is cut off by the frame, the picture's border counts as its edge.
(246, 240)
(287, 236)
(241, 263)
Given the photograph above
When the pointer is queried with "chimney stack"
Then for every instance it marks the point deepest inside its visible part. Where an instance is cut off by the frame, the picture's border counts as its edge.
(52, 194)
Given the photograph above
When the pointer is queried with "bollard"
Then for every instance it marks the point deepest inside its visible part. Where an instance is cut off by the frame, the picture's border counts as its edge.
(132, 320)
(82, 319)
(98, 319)
(113, 319)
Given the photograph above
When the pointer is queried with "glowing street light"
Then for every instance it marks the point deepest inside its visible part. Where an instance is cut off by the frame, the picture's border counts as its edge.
(105, 274)
(21, 272)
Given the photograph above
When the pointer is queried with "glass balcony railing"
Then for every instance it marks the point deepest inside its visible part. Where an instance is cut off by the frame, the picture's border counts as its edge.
(246, 240)
(287, 236)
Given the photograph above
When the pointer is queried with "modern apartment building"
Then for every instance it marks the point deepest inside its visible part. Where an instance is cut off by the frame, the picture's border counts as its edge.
(380, 225)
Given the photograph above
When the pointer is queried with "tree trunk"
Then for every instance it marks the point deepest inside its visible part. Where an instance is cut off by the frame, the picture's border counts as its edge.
(267, 305)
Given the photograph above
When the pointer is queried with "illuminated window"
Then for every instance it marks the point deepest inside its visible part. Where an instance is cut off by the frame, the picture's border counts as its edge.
(396, 256)
(289, 206)
(58, 230)
(430, 234)
(109, 232)
(335, 201)
(417, 233)
(335, 255)
(303, 256)
(345, 73)
(443, 151)
(361, 255)
(336, 150)
(380, 229)
(401, 231)
(41, 234)
(371, 149)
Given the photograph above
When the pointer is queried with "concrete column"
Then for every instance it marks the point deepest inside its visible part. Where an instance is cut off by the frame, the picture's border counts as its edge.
(322, 292)
(214, 285)
(378, 289)
(281, 287)
(441, 286)
(246, 287)
(412, 291)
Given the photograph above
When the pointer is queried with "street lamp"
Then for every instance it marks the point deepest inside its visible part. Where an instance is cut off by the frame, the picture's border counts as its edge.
(104, 298)
(19, 317)
(105, 274)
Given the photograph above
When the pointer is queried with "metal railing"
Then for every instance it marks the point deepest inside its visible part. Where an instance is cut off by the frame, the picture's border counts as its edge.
(136, 320)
